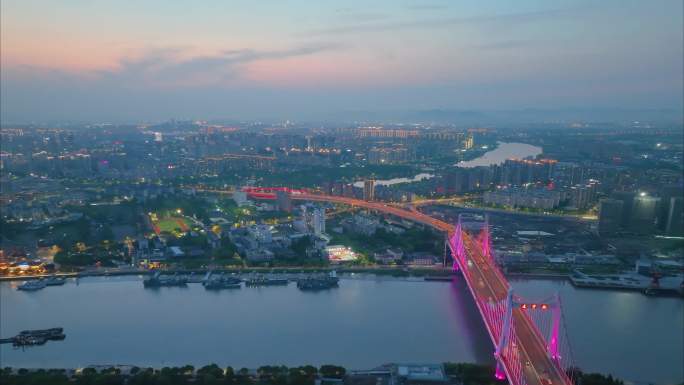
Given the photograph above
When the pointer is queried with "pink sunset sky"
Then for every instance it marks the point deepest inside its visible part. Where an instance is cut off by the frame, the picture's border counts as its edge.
(245, 58)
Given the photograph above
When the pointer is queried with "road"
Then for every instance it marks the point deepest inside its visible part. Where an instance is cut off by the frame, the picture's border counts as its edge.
(461, 202)
(487, 284)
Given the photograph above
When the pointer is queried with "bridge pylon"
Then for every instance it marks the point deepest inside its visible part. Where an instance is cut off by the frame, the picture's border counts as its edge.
(504, 337)
(553, 337)
(457, 244)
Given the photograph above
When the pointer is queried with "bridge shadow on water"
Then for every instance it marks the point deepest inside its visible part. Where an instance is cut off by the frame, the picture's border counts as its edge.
(465, 310)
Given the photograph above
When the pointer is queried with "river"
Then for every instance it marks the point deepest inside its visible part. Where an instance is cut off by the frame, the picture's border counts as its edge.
(366, 322)
(389, 182)
(502, 152)
(499, 155)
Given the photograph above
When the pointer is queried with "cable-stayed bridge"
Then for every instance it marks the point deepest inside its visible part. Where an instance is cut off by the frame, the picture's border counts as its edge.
(529, 337)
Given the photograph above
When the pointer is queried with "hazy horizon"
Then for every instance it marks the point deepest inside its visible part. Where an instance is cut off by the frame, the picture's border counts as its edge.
(447, 117)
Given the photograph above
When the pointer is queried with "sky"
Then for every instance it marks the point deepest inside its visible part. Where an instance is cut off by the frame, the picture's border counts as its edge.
(125, 61)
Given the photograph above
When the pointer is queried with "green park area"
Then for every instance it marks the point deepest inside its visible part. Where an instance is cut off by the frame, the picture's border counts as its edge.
(174, 224)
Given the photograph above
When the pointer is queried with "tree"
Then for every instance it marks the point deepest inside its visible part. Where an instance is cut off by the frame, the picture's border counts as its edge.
(300, 245)
(303, 375)
(142, 377)
(599, 379)
(275, 375)
(243, 378)
(106, 233)
(471, 374)
(209, 375)
(332, 371)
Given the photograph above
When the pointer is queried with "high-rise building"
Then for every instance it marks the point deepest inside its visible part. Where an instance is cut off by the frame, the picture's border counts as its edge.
(675, 217)
(319, 221)
(388, 155)
(583, 196)
(627, 198)
(348, 190)
(576, 174)
(369, 190)
(666, 194)
(284, 201)
(610, 216)
(468, 142)
(644, 213)
(453, 181)
(517, 172)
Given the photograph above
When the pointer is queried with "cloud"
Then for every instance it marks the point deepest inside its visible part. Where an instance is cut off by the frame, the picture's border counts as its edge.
(427, 7)
(503, 44)
(500, 20)
(348, 14)
(173, 66)
(176, 66)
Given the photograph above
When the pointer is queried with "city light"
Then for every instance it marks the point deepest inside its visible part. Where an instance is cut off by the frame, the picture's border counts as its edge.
(345, 177)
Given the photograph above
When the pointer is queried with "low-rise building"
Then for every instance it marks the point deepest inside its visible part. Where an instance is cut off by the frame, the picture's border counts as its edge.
(388, 256)
(339, 254)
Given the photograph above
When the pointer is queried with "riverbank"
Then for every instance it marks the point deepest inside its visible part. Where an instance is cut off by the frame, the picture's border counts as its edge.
(446, 373)
(552, 276)
(591, 282)
(402, 271)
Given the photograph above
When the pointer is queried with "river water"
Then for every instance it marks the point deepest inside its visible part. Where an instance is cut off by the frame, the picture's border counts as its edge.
(502, 152)
(366, 322)
(499, 155)
(390, 182)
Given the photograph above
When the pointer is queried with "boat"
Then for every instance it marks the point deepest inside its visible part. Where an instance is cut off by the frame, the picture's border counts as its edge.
(52, 333)
(655, 290)
(662, 292)
(218, 284)
(318, 283)
(194, 278)
(158, 281)
(623, 282)
(32, 285)
(266, 281)
(55, 281)
(223, 283)
(35, 337)
(313, 284)
(445, 278)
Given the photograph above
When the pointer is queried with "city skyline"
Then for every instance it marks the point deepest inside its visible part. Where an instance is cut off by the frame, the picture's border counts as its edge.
(412, 192)
(132, 62)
